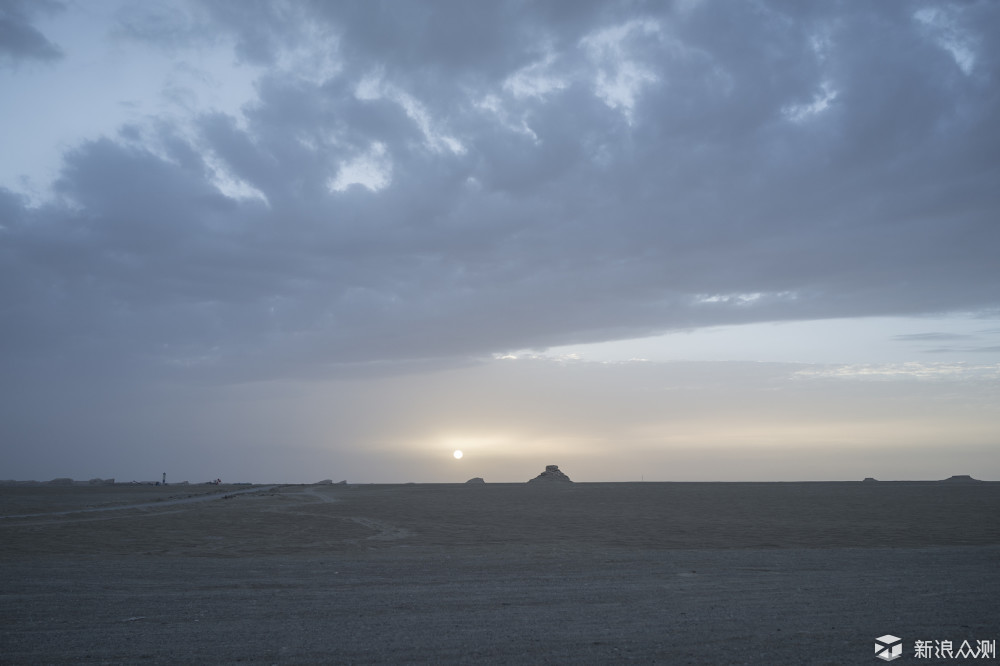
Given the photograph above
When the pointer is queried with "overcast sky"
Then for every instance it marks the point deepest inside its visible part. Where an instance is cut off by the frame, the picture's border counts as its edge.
(692, 240)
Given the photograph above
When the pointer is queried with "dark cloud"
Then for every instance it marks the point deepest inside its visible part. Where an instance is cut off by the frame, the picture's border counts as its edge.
(19, 39)
(552, 173)
(964, 350)
(981, 342)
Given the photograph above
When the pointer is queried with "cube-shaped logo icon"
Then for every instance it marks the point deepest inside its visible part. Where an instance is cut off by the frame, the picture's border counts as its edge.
(888, 647)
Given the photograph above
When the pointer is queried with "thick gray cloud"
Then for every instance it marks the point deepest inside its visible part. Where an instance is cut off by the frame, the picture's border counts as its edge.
(537, 174)
(19, 39)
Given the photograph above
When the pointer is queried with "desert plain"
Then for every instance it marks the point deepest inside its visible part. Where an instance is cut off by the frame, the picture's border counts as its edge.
(563, 573)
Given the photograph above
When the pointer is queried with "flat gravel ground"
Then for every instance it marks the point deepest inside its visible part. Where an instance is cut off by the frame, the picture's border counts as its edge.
(699, 573)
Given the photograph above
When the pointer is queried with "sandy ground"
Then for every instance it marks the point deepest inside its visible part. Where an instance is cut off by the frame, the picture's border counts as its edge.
(796, 573)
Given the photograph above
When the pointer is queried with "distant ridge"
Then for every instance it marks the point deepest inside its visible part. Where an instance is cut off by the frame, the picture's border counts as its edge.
(960, 478)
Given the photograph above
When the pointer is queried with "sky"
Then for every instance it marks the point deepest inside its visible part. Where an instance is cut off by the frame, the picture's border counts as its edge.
(646, 241)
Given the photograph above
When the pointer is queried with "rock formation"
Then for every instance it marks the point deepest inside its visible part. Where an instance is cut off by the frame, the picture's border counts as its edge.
(477, 479)
(960, 478)
(552, 473)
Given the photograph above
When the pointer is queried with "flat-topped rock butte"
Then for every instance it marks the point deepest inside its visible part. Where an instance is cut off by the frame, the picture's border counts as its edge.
(551, 474)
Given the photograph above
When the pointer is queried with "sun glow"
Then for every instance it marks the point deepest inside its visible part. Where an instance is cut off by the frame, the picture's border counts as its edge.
(457, 454)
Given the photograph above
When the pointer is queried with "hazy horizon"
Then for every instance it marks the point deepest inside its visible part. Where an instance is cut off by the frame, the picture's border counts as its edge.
(671, 241)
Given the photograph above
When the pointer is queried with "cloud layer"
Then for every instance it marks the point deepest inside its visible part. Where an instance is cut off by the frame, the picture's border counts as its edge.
(19, 39)
(443, 181)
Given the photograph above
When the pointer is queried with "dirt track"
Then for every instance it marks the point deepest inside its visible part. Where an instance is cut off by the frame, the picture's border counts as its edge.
(586, 573)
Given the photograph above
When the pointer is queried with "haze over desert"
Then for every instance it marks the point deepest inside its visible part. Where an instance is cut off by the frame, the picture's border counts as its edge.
(503, 332)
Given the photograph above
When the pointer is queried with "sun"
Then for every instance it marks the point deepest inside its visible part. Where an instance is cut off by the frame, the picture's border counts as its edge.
(457, 454)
